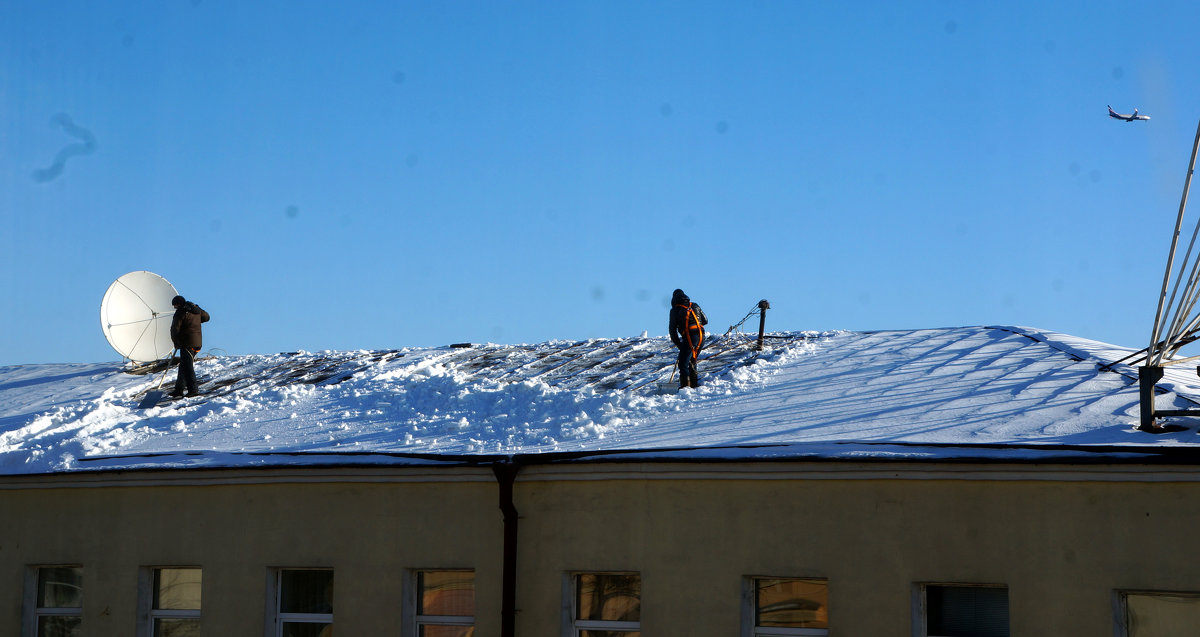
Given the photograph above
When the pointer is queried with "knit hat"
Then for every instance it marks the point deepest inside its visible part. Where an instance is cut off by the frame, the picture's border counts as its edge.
(177, 301)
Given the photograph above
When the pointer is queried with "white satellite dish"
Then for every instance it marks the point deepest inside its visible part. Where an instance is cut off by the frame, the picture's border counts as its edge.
(136, 316)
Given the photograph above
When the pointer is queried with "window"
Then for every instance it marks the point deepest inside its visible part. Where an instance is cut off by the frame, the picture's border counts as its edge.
(778, 607)
(445, 603)
(169, 602)
(1151, 614)
(303, 603)
(964, 610)
(605, 605)
(54, 601)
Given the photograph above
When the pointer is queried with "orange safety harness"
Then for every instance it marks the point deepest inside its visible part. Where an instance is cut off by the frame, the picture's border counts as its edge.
(688, 322)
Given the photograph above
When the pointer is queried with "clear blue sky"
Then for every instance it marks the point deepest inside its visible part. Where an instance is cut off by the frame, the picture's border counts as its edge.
(322, 175)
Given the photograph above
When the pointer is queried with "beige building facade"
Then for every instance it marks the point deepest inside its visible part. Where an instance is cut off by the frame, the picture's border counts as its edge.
(606, 548)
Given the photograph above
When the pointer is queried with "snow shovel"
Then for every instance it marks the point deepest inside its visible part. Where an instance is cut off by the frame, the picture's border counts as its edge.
(669, 387)
(153, 396)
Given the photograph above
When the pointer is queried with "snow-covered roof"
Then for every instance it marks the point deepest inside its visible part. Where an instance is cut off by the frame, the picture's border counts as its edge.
(981, 393)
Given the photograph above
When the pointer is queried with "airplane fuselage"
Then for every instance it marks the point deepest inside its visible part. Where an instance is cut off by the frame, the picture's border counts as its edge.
(1128, 118)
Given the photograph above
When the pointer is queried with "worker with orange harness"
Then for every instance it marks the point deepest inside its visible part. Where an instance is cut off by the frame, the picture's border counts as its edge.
(687, 332)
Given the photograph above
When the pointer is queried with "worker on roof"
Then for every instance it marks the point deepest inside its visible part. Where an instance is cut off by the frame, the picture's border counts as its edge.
(687, 332)
(187, 338)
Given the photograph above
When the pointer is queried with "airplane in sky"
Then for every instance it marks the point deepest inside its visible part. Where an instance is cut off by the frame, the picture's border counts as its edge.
(1128, 118)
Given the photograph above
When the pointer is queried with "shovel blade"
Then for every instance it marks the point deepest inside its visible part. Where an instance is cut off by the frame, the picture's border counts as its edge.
(150, 399)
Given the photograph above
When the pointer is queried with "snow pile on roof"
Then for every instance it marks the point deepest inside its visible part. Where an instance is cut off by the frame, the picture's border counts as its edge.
(917, 393)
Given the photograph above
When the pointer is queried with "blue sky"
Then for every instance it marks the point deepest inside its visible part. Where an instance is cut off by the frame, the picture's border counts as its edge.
(391, 174)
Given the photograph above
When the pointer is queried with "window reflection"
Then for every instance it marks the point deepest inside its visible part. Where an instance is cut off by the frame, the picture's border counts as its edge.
(966, 610)
(447, 631)
(298, 629)
(609, 597)
(60, 587)
(177, 588)
(305, 591)
(792, 603)
(446, 592)
(60, 626)
(176, 628)
(1162, 614)
(59, 601)
(446, 603)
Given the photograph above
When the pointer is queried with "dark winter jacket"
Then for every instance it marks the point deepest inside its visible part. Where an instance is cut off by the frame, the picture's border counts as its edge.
(685, 332)
(185, 326)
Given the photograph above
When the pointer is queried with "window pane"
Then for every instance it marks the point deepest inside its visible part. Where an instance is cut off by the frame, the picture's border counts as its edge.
(176, 628)
(447, 631)
(967, 611)
(296, 629)
(609, 597)
(306, 591)
(447, 593)
(60, 587)
(794, 603)
(1162, 615)
(177, 588)
(59, 626)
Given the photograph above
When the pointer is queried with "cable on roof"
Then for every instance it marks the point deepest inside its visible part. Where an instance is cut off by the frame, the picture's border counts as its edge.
(755, 311)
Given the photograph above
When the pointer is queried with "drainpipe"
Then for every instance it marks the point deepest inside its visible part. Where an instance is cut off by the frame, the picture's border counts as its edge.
(506, 474)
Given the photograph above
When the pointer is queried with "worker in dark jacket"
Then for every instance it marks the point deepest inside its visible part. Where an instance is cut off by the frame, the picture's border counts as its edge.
(186, 336)
(687, 332)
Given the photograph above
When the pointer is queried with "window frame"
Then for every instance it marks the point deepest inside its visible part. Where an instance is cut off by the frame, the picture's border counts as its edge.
(573, 626)
(750, 627)
(1121, 605)
(147, 613)
(33, 614)
(276, 618)
(413, 619)
(920, 615)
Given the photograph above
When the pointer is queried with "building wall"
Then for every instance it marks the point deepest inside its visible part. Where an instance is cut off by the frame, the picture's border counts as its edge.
(368, 532)
(1059, 538)
(1059, 545)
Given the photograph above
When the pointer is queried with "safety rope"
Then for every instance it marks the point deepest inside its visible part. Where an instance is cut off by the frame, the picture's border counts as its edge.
(687, 330)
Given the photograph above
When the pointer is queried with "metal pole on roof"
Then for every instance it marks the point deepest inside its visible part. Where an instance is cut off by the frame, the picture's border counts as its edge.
(1154, 355)
(763, 306)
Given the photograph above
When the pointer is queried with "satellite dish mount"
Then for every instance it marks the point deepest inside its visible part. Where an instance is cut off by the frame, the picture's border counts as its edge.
(1177, 321)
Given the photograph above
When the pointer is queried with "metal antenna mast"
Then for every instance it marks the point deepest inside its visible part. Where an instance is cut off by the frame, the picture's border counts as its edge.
(1181, 328)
